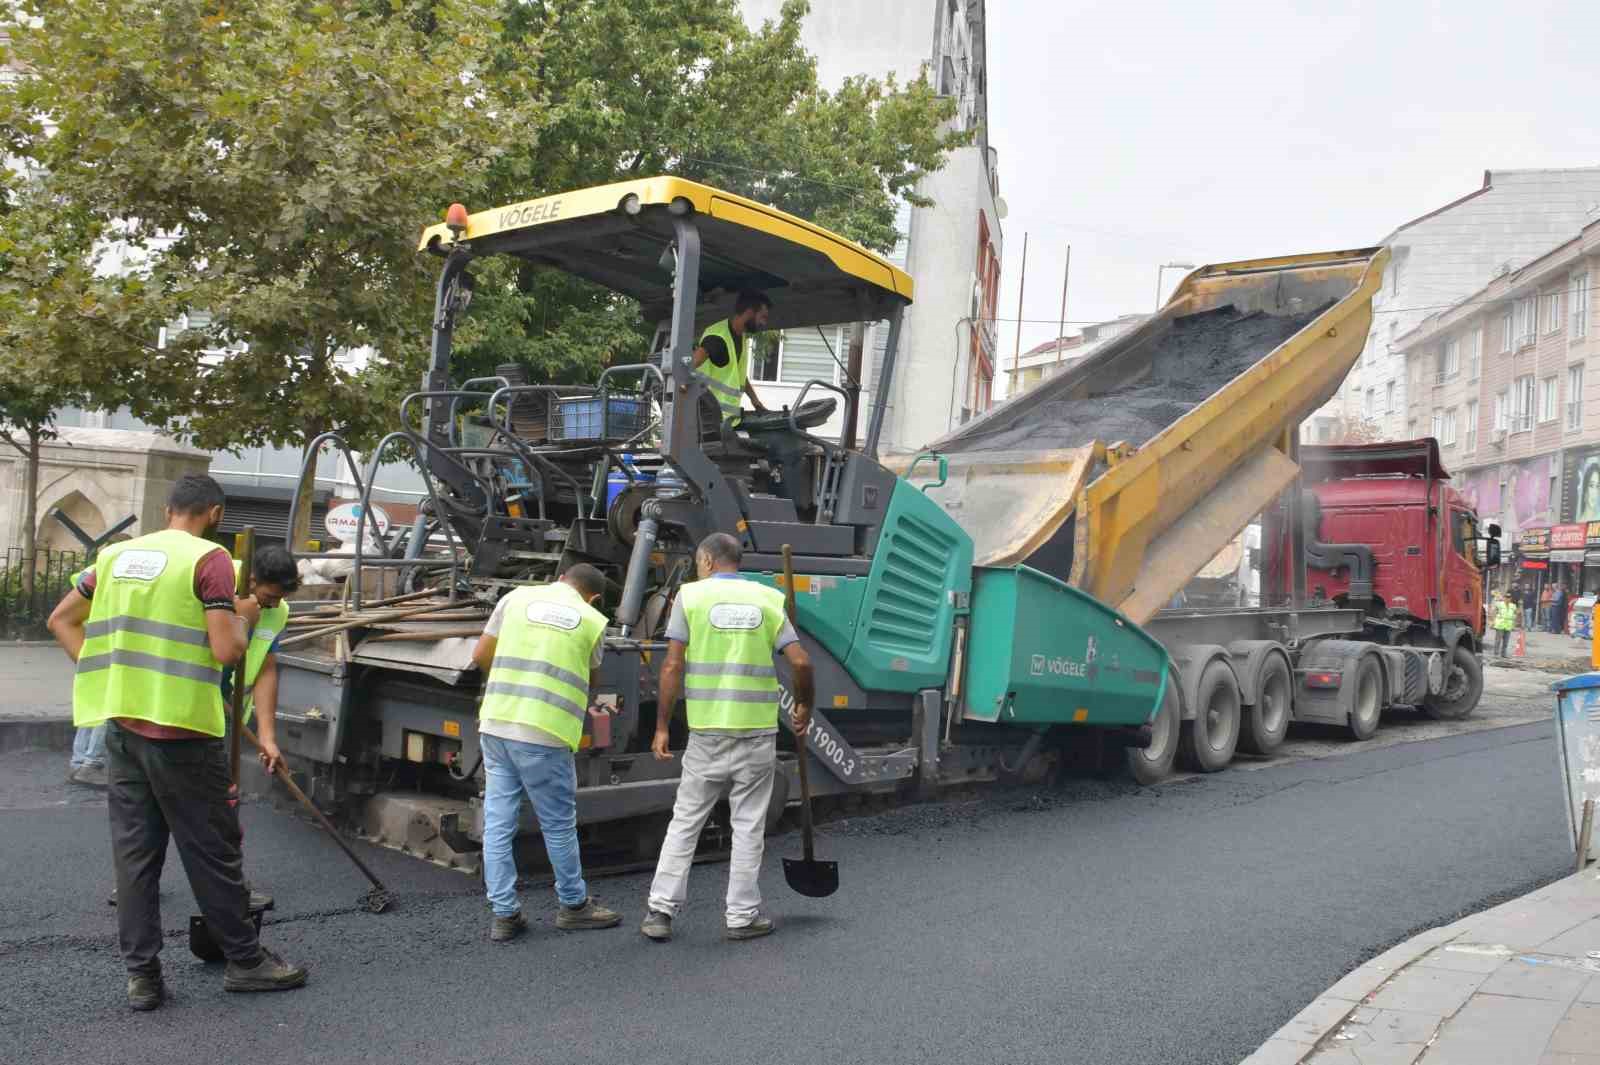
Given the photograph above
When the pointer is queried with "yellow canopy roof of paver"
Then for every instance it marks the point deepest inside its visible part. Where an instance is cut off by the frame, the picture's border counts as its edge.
(615, 235)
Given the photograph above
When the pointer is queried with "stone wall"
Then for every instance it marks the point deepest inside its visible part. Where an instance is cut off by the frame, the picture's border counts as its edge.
(97, 477)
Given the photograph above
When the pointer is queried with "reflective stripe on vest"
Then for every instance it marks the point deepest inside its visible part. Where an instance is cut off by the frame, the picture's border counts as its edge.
(729, 679)
(146, 653)
(540, 673)
(726, 382)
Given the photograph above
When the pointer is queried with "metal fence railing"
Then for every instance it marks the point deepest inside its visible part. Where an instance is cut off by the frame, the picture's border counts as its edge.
(25, 606)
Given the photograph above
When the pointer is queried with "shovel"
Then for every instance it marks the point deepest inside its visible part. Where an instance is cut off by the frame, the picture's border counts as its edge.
(806, 875)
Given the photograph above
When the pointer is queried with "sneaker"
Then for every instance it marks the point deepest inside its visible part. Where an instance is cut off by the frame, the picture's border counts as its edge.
(657, 926)
(270, 973)
(504, 929)
(588, 915)
(259, 900)
(761, 926)
(145, 992)
(91, 776)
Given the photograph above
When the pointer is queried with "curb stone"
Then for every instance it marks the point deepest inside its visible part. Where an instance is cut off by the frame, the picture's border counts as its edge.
(37, 734)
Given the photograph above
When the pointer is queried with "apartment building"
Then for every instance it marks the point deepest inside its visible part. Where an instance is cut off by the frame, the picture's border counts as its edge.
(1053, 356)
(1507, 381)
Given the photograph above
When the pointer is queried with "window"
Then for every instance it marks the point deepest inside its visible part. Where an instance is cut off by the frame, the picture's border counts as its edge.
(1507, 338)
(1522, 404)
(1575, 397)
(1449, 359)
(1527, 312)
(1472, 426)
(1552, 313)
(1502, 411)
(1474, 353)
(1411, 428)
(804, 355)
(1579, 305)
(1547, 400)
(1436, 430)
(1388, 406)
(1324, 430)
(1371, 407)
(1448, 439)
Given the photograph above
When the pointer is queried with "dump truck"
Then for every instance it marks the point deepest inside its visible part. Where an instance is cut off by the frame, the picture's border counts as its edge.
(1127, 474)
(989, 625)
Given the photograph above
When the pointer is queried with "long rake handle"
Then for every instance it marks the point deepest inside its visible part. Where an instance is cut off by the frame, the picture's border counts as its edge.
(799, 737)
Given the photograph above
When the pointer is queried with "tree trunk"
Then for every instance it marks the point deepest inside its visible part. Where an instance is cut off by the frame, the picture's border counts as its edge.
(30, 514)
(305, 492)
(858, 341)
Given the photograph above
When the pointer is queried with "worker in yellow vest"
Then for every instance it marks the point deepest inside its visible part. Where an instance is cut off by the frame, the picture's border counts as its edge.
(150, 628)
(1505, 619)
(722, 636)
(722, 359)
(541, 654)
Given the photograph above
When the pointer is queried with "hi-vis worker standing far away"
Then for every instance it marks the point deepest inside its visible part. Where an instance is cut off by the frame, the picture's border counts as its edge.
(541, 651)
(722, 358)
(150, 629)
(722, 636)
(1505, 619)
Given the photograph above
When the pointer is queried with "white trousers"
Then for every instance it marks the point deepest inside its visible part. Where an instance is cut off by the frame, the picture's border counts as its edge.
(741, 768)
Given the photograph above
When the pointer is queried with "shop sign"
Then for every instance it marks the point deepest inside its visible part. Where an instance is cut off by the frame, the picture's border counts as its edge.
(1592, 534)
(1540, 564)
(1534, 542)
(1566, 543)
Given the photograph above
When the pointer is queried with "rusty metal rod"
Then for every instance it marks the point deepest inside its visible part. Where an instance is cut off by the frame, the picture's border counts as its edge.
(394, 615)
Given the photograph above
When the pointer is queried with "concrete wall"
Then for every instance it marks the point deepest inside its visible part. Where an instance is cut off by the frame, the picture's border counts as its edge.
(98, 476)
(851, 37)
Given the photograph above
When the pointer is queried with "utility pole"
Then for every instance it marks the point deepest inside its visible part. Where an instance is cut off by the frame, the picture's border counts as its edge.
(858, 341)
(1061, 329)
(1016, 353)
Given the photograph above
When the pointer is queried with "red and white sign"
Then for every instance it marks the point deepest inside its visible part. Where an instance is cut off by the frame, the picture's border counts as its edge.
(343, 521)
(1567, 542)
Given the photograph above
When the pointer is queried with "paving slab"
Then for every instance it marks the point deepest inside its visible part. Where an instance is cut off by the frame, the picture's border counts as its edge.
(1530, 976)
(1436, 991)
(1497, 1030)
(1578, 1032)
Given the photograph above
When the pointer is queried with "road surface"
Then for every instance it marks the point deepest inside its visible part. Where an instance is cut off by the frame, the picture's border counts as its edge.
(1092, 923)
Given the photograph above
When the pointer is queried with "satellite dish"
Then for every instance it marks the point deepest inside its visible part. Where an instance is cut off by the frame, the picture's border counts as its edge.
(1000, 209)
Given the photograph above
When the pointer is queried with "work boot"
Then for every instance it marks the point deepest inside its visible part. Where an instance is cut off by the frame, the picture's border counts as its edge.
(269, 973)
(259, 900)
(90, 776)
(505, 929)
(145, 992)
(657, 926)
(587, 914)
(761, 926)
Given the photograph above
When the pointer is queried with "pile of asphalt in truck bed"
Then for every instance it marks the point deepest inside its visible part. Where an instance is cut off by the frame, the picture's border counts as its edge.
(1201, 353)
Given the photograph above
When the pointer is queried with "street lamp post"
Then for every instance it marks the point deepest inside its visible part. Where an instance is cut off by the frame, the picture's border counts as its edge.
(1160, 271)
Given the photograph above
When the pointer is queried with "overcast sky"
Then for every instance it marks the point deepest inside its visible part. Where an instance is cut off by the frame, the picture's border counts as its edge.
(1144, 133)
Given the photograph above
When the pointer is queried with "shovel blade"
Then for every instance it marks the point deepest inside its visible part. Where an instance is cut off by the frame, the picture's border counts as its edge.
(813, 879)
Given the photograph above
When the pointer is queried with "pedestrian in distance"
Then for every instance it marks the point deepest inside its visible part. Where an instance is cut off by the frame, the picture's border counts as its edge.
(1558, 610)
(1505, 619)
(1546, 598)
(722, 636)
(541, 652)
(1529, 601)
(150, 627)
(87, 765)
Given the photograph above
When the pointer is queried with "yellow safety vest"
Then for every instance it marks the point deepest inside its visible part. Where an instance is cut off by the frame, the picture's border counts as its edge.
(730, 682)
(540, 673)
(1505, 616)
(146, 652)
(726, 382)
(267, 629)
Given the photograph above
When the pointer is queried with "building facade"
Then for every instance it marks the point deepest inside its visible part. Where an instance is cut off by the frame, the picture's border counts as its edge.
(945, 369)
(1053, 356)
(1513, 218)
(1507, 380)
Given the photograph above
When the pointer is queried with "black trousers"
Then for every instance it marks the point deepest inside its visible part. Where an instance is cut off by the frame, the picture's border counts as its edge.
(178, 790)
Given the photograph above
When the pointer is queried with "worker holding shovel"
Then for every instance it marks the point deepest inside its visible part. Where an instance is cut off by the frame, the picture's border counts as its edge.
(722, 635)
(150, 631)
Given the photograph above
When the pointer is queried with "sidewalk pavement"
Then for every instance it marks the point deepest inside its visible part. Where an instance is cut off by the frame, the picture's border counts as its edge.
(37, 708)
(1515, 985)
(1545, 651)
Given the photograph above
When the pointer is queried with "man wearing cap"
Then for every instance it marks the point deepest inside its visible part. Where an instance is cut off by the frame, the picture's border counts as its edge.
(721, 638)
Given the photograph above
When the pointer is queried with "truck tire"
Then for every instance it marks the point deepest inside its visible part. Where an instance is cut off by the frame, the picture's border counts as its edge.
(1463, 687)
(1210, 739)
(1267, 722)
(1150, 764)
(1366, 698)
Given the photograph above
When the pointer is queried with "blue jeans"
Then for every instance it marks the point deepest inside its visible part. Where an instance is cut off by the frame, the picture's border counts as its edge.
(550, 779)
(89, 746)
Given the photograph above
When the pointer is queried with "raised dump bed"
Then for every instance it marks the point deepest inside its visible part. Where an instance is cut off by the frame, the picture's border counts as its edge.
(1128, 472)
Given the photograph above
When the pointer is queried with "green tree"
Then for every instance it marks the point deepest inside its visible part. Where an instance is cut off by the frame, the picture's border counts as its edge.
(278, 159)
(643, 87)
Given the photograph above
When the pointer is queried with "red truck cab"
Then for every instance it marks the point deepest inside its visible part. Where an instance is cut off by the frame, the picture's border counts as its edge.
(1388, 507)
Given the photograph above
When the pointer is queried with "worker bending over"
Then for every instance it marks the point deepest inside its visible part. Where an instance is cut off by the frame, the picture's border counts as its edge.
(541, 652)
(722, 359)
(150, 629)
(722, 636)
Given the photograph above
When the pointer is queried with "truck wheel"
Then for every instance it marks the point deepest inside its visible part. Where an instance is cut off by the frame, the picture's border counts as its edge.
(1366, 706)
(1463, 687)
(1152, 763)
(1209, 740)
(1267, 722)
